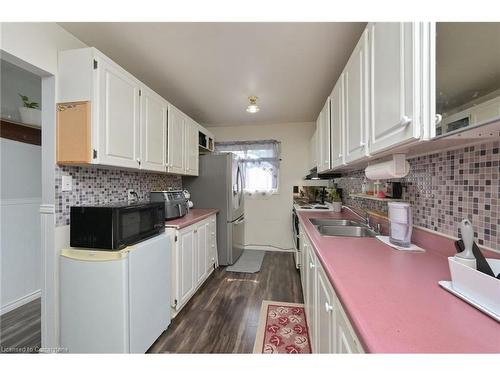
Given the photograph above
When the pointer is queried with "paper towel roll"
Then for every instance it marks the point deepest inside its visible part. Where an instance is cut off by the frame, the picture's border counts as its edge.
(398, 167)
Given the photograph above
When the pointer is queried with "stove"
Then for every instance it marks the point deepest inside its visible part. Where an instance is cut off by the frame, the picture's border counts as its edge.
(312, 206)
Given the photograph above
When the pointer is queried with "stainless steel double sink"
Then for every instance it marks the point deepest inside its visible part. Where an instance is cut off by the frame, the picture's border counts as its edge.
(342, 228)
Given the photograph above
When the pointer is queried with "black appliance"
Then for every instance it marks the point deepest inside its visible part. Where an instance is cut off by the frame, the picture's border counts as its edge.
(115, 226)
(394, 190)
(175, 202)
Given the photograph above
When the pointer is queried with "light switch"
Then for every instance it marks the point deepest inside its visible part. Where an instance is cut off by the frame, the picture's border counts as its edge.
(67, 183)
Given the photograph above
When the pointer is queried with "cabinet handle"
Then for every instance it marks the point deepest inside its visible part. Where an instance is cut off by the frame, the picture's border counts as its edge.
(138, 161)
(328, 307)
(362, 144)
(311, 265)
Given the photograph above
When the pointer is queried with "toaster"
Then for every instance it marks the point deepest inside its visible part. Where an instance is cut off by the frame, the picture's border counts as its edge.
(175, 202)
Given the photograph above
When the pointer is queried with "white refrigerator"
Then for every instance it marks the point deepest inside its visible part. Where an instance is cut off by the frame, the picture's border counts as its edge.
(115, 301)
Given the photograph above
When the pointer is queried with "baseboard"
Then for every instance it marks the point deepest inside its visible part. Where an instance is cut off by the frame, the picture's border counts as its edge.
(21, 301)
(267, 248)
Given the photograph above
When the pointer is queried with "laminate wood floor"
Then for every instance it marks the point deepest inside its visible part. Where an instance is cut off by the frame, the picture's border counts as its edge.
(20, 329)
(222, 316)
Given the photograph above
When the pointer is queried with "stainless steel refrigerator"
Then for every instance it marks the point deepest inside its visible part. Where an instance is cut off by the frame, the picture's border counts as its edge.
(220, 185)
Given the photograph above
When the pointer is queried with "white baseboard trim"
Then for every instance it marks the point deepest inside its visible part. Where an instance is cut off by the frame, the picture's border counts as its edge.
(21, 301)
(267, 248)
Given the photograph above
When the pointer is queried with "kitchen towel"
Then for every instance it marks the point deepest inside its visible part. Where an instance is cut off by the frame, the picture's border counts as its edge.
(412, 247)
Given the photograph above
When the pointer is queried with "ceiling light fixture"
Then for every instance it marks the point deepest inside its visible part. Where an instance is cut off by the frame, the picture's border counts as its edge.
(253, 107)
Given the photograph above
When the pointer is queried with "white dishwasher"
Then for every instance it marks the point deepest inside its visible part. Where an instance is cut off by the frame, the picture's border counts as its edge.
(115, 301)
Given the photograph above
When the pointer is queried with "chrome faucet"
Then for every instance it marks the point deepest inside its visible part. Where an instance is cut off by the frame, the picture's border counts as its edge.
(365, 218)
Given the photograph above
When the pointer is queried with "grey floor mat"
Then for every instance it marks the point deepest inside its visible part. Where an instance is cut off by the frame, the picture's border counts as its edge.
(249, 262)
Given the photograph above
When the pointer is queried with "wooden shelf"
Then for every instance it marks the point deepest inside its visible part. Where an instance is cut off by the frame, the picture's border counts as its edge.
(373, 198)
(19, 132)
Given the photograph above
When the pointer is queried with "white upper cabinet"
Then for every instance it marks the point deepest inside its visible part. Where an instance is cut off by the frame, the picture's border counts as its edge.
(313, 150)
(182, 142)
(108, 117)
(394, 60)
(323, 133)
(176, 140)
(118, 103)
(191, 151)
(153, 131)
(337, 123)
(356, 108)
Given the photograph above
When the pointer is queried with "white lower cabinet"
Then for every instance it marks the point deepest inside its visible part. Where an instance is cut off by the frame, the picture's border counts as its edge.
(325, 314)
(194, 259)
(329, 328)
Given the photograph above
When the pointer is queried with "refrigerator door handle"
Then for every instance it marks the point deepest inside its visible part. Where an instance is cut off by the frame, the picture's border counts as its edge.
(239, 221)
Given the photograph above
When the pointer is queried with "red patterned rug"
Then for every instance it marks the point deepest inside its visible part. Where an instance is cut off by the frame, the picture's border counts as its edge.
(282, 329)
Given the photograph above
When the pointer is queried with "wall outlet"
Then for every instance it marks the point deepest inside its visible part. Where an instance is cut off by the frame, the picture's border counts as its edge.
(66, 183)
(131, 195)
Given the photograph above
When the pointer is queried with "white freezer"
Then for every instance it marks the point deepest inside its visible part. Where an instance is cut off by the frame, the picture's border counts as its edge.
(115, 301)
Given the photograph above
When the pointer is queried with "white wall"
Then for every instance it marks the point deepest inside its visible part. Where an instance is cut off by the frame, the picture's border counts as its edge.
(268, 220)
(20, 241)
(35, 47)
(15, 81)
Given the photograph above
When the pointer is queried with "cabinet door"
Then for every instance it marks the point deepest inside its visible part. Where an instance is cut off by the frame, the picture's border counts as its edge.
(118, 134)
(325, 314)
(186, 265)
(346, 343)
(191, 148)
(393, 120)
(201, 253)
(153, 129)
(310, 295)
(324, 137)
(313, 145)
(212, 230)
(176, 143)
(337, 123)
(356, 109)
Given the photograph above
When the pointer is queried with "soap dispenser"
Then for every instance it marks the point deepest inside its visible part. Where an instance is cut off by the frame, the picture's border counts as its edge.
(467, 257)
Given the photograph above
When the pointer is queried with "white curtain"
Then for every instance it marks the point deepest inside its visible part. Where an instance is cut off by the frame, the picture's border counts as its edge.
(260, 163)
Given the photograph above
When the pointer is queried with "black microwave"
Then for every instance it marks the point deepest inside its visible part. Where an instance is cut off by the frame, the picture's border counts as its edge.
(115, 226)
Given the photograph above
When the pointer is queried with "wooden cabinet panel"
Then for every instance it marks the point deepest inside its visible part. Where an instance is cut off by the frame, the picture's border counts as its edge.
(74, 133)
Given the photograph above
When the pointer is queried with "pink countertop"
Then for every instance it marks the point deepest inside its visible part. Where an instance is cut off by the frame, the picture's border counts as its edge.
(193, 216)
(393, 298)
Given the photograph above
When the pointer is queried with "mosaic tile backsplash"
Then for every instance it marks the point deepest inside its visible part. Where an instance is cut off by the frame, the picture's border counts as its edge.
(97, 185)
(445, 187)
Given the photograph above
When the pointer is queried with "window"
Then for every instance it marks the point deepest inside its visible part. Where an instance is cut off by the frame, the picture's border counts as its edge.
(260, 164)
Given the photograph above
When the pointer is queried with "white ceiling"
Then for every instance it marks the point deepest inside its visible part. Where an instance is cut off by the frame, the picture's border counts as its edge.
(208, 70)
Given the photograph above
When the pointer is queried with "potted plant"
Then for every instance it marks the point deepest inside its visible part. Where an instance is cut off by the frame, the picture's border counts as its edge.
(30, 114)
(336, 200)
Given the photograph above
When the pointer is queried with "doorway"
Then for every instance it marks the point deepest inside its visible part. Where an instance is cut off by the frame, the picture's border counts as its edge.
(22, 159)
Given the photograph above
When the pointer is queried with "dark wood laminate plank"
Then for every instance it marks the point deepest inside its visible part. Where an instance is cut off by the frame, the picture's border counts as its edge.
(21, 133)
(20, 329)
(222, 317)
